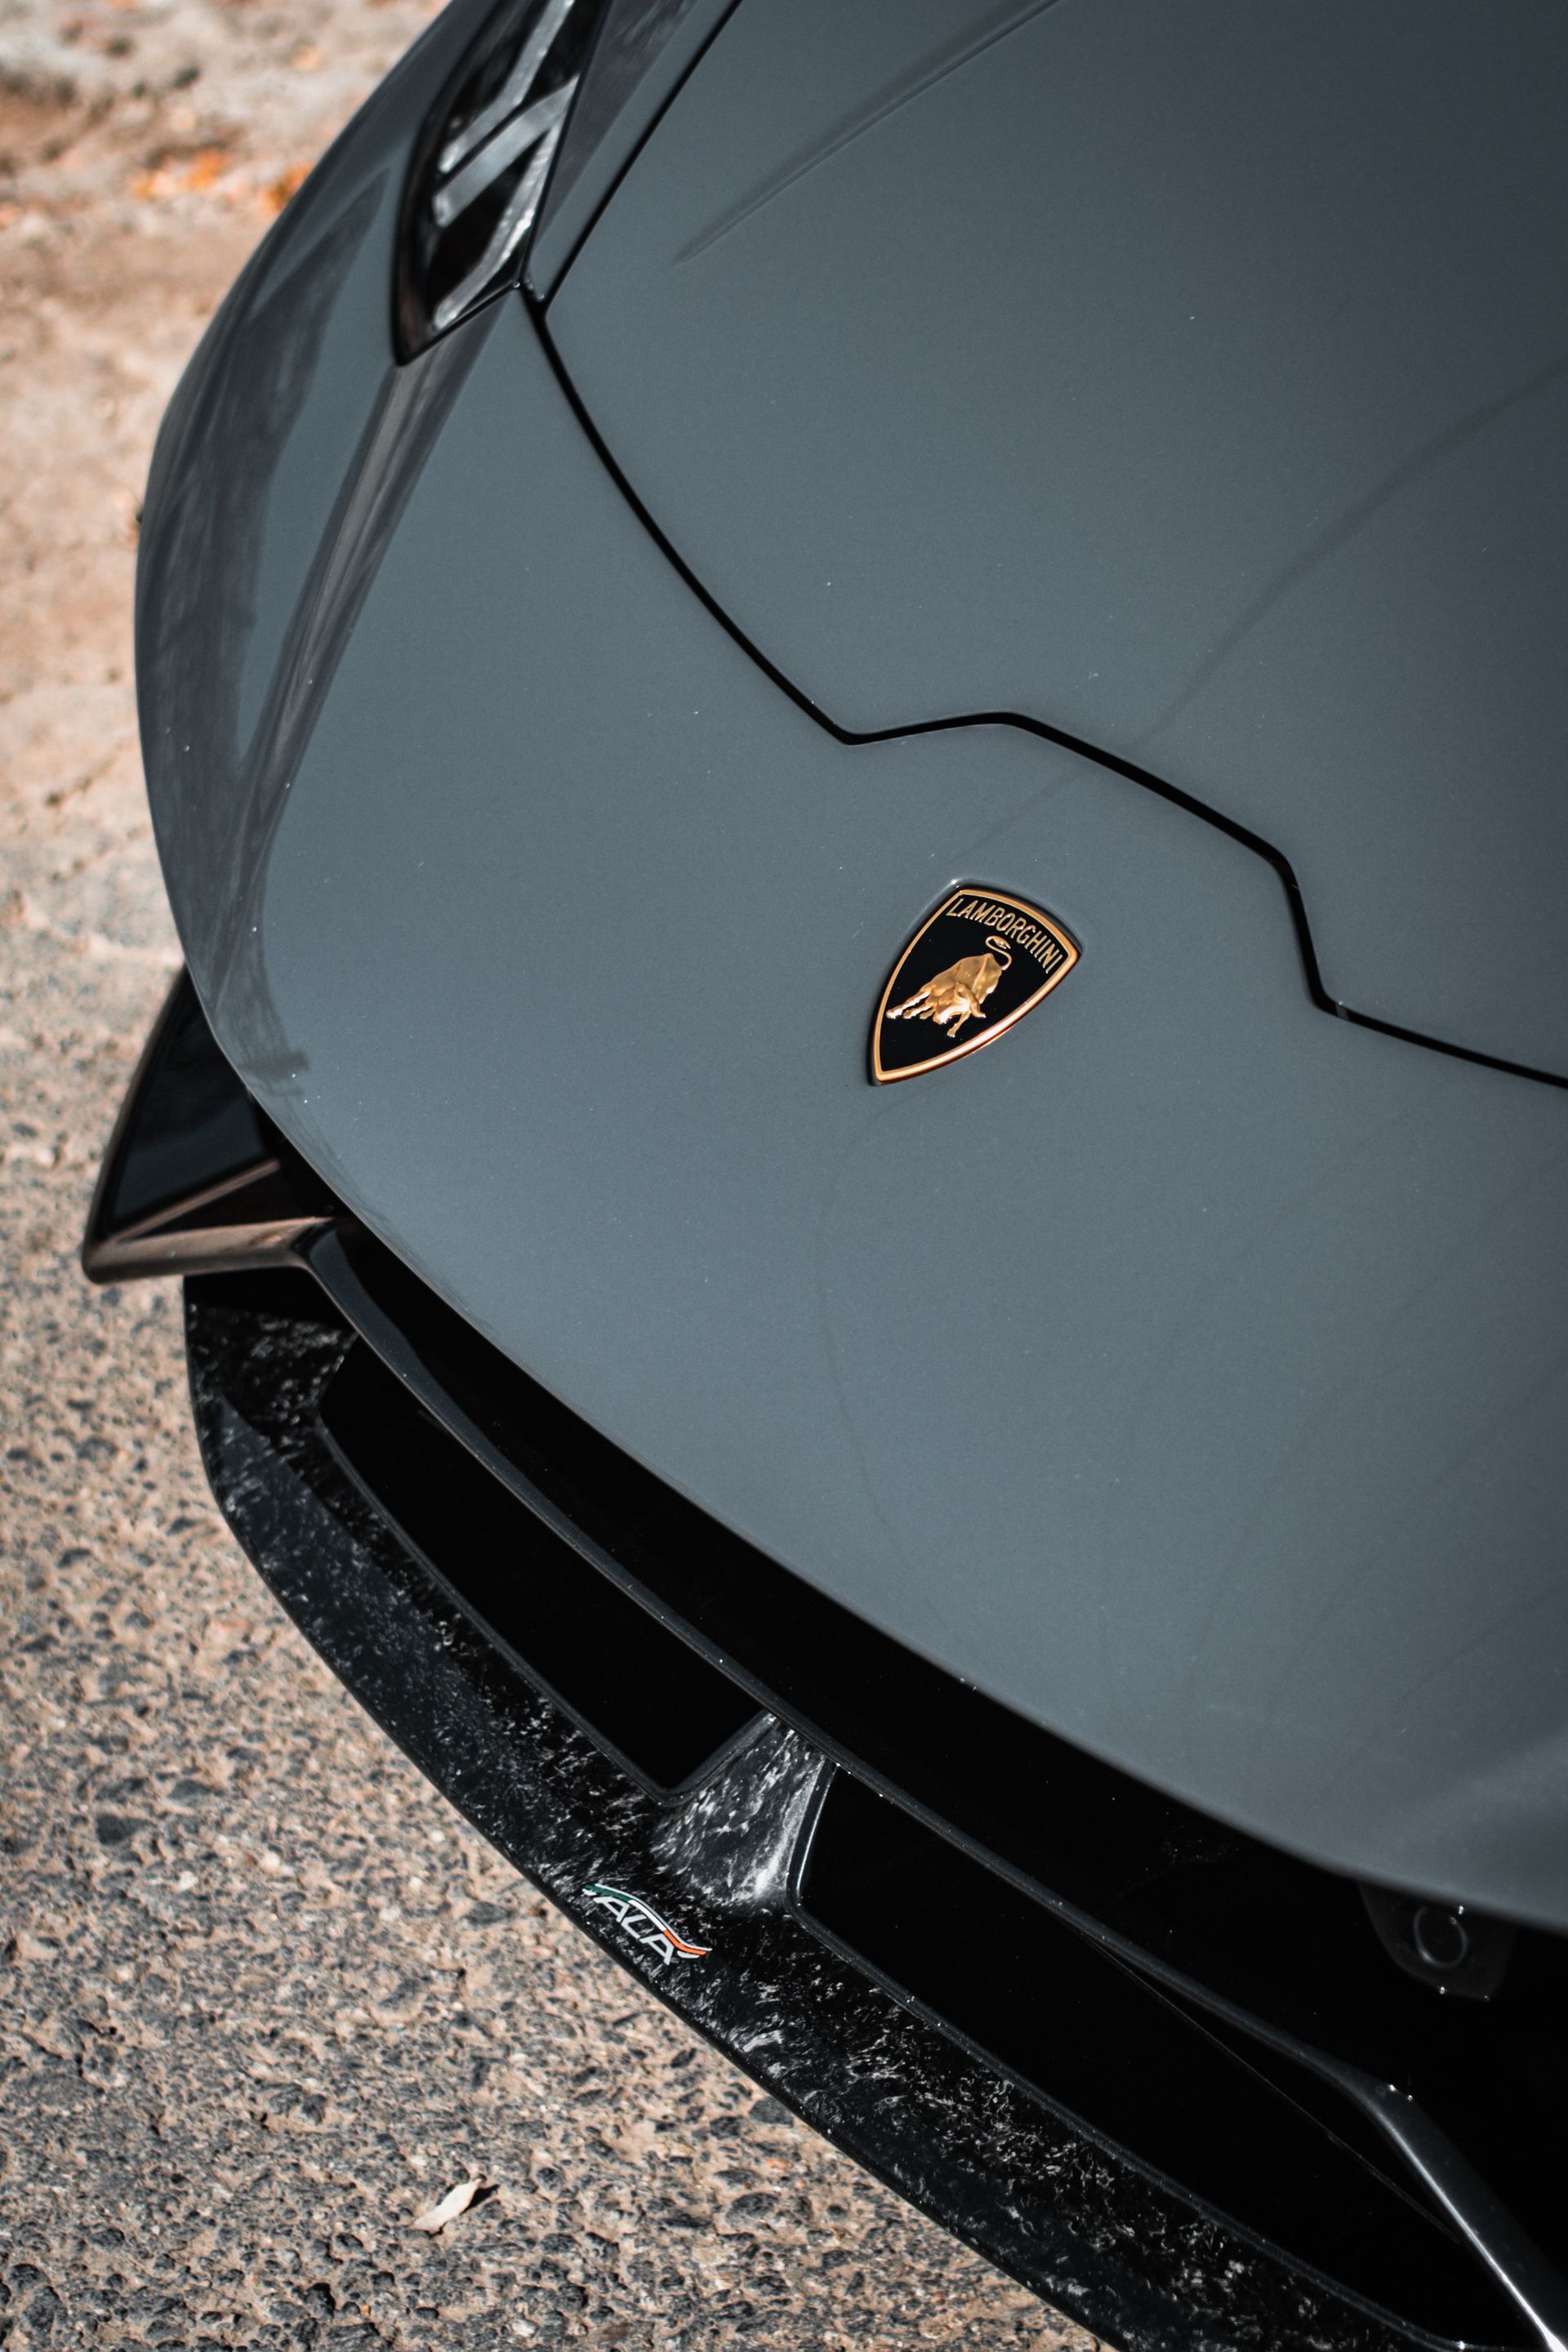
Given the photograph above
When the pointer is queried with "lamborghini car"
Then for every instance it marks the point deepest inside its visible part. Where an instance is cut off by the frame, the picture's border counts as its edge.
(856, 711)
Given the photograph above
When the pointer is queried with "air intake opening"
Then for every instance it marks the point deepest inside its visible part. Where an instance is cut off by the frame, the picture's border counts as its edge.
(1267, 2144)
(658, 1708)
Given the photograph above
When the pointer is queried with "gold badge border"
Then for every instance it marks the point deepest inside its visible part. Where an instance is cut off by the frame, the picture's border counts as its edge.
(881, 1077)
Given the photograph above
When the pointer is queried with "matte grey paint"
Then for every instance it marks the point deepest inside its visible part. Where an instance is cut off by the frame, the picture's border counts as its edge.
(1188, 1369)
(1193, 379)
(250, 479)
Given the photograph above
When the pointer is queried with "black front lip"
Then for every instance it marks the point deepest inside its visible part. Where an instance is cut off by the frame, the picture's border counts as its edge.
(1067, 2215)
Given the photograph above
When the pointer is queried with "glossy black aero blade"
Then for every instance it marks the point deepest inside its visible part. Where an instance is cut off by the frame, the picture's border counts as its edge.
(973, 969)
(664, 1713)
(196, 1178)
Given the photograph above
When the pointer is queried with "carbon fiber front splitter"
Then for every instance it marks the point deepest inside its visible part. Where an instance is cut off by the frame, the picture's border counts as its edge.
(1030, 2190)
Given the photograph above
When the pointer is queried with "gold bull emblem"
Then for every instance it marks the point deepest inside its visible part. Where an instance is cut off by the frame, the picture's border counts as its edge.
(957, 995)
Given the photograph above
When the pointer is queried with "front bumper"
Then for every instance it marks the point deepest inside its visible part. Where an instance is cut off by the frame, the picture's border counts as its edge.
(1162, 2073)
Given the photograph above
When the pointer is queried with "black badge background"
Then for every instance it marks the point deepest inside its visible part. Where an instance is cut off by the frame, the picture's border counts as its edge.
(900, 1048)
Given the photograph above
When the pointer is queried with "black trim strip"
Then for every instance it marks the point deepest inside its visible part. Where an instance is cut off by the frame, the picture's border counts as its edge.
(665, 1715)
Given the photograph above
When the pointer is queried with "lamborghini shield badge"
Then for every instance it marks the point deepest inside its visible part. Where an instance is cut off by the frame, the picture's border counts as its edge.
(972, 970)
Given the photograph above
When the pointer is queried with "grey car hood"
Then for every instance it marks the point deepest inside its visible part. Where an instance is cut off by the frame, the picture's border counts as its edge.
(1187, 1369)
(1193, 379)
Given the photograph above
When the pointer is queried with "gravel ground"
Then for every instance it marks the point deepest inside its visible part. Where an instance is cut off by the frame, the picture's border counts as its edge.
(263, 1998)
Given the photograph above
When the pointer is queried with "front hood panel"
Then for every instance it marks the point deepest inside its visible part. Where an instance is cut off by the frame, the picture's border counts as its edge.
(1193, 379)
(1186, 1370)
